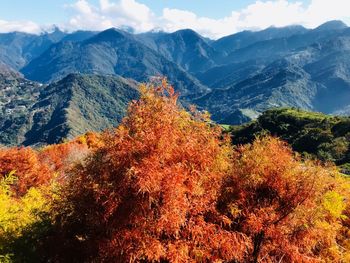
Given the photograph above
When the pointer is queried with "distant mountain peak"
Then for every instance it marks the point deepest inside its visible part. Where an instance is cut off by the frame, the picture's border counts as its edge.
(246, 38)
(189, 35)
(185, 31)
(294, 27)
(156, 30)
(332, 25)
(113, 30)
(53, 29)
(110, 34)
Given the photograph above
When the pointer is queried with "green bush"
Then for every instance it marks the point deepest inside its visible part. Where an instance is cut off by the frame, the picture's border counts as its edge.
(314, 135)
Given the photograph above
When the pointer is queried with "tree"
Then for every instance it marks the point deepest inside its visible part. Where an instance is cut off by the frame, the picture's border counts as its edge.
(26, 165)
(149, 193)
(289, 209)
(61, 157)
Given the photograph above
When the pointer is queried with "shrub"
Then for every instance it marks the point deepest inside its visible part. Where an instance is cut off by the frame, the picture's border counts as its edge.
(289, 209)
(29, 169)
(149, 194)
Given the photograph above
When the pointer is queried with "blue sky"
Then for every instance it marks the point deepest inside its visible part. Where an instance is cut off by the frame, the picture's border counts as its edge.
(54, 11)
(212, 18)
(213, 9)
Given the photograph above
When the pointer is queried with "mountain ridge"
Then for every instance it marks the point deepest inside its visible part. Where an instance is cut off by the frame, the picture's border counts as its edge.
(110, 52)
(276, 67)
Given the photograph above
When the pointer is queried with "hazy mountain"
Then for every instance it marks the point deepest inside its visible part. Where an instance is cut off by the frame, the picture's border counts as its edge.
(297, 36)
(332, 25)
(110, 52)
(17, 49)
(185, 48)
(270, 50)
(314, 78)
(243, 39)
(247, 61)
(64, 109)
(236, 77)
(225, 75)
(79, 35)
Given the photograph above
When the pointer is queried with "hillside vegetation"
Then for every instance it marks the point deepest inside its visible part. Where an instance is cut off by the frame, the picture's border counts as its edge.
(34, 114)
(167, 185)
(312, 134)
(17, 97)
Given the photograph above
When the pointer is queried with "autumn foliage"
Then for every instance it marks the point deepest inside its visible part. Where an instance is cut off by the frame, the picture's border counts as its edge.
(26, 165)
(167, 186)
(289, 209)
(28, 185)
(148, 194)
(61, 157)
(35, 168)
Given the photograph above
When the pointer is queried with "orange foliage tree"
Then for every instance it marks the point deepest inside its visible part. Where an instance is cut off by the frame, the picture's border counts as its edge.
(59, 157)
(343, 237)
(149, 194)
(167, 186)
(289, 209)
(25, 164)
(34, 168)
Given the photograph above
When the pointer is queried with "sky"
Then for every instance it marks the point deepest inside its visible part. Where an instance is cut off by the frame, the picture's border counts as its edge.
(211, 18)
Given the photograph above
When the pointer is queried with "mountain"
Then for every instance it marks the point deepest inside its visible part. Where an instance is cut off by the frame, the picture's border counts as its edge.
(270, 50)
(236, 77)
(64, 109)
(275, 86)
(17, 49)
(110, 52)
(79, 35)
(332, 25)
(17, 97)
(8, 72)
(224, 75)
(244, 62)
(314, 78)
(185, 48)
(243, 39)
(297, 36)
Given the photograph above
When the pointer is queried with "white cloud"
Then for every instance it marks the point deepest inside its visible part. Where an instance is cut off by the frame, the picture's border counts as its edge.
(320, 11)
(122, 13)
(265, 14)
(259, 15)
(175, 19)
(132, 14)
(22, 26)
(83, 7)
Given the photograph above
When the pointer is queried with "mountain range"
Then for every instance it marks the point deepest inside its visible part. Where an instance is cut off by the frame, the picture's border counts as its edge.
(57, 85)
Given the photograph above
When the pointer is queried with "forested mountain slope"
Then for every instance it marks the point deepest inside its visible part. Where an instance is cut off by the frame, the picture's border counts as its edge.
(37, 114)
